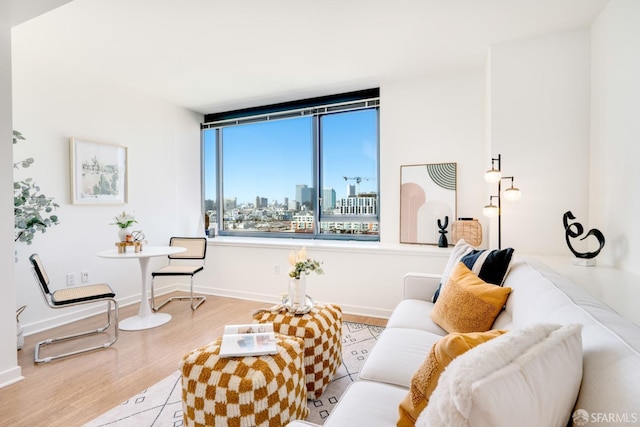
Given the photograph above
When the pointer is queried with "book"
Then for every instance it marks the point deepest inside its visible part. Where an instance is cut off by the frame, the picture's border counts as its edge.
(252, 339)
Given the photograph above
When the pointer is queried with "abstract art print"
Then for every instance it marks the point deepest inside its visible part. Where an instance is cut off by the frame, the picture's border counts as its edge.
(98, 173)
(427, 194)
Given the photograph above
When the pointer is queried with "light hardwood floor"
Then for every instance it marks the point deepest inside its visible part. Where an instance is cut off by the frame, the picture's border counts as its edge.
(72, 391)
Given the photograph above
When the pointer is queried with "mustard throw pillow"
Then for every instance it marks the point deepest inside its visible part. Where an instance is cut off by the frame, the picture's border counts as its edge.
(425, 380)
(468, 303)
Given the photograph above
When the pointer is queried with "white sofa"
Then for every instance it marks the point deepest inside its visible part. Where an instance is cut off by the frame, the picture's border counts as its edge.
(610, 386)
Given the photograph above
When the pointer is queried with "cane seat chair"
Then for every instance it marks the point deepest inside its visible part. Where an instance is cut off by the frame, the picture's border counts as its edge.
(196, 253)
(67, 297)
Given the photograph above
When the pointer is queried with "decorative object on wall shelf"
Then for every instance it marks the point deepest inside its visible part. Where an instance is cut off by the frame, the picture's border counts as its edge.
(442, 242)
(98, 173)
(494, 175)
(467, 229)
(427, 193)
(576, 229)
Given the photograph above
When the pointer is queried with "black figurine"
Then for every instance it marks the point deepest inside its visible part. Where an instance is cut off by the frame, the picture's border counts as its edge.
(442, 243)
(576, 231)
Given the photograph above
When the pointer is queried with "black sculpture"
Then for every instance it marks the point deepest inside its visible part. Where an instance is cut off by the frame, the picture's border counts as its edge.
(575, 230)
(442, 243)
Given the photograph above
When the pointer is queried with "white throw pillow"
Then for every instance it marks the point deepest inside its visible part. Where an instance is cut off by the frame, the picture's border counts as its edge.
(527, 377)
(459, 250)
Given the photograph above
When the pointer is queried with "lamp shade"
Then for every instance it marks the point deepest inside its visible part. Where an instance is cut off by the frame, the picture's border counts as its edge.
(492, 175)
(512, 194)
(490, 210)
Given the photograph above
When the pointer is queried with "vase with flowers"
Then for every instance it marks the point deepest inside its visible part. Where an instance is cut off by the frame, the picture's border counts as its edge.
(124, 221)
(297, 300)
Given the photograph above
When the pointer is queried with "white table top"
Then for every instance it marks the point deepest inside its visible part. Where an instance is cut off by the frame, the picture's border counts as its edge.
(146, 252)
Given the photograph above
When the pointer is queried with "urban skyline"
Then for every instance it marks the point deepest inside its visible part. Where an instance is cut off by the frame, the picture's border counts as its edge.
(270, 161)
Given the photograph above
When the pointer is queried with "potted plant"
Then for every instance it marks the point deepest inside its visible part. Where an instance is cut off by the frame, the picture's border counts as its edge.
(33, 211)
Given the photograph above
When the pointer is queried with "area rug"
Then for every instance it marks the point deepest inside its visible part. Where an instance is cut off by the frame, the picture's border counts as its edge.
(161, 404)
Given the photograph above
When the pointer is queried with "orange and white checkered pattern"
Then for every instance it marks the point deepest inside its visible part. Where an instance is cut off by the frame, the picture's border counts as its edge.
(267, 390)
(321, 330)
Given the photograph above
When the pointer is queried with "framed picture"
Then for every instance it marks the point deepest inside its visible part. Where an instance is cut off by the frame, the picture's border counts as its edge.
(427, 195)
(98, 173)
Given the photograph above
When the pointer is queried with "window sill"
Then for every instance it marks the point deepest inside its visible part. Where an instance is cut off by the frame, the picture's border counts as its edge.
(330, 245)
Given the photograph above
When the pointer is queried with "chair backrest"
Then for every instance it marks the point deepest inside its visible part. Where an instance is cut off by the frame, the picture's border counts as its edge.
(196, 247)
(40, 273)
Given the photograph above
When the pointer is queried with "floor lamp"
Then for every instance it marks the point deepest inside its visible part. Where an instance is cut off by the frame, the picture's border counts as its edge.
(494, 175)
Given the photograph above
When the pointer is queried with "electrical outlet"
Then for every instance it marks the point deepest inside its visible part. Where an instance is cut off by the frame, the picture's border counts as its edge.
(276, 269)
(71, 279)
(84, 276)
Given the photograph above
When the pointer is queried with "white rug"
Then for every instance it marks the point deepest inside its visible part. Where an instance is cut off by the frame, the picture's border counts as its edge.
(161, 404)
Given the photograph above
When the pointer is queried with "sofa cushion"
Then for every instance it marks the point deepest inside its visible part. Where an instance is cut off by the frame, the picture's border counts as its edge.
(491, 266)
(528, 377)
(367, 403)
(425, 379)
(397, 355)
(414, 314)
(468, 303)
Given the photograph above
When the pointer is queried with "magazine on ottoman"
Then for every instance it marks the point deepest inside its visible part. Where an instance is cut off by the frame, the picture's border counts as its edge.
(252, 339)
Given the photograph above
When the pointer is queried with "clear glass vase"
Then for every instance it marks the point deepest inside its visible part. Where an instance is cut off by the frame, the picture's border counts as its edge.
(297, 300)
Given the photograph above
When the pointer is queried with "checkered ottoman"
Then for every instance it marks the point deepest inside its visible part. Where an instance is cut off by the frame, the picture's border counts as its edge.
(321, 329)
(260, 391)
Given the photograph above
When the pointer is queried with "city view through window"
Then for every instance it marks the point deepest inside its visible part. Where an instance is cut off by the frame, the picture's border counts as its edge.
(271, 172)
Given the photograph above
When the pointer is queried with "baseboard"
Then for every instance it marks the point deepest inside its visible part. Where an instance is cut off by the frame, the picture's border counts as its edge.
(272, 299)
(11, 376)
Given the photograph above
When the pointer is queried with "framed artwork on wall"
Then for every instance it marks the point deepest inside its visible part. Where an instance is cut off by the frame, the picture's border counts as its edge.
(428, 193)
(98, 173)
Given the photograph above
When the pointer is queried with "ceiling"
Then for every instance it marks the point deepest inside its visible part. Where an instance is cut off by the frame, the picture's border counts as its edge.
(215, 55)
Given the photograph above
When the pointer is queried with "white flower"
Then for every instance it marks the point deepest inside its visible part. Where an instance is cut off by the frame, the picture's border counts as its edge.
(124, 220)
(302, 264)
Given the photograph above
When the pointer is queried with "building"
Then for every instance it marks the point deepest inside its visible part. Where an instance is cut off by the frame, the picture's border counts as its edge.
(328, 198)
(363, 204)
(304, 195)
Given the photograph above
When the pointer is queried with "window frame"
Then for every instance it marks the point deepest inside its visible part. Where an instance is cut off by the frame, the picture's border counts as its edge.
(316, 108)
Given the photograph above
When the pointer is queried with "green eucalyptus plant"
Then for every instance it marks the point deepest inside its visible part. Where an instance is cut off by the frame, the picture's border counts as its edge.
(33, 211)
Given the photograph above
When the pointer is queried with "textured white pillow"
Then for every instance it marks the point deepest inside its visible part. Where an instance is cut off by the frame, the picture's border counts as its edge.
(526, 377)
(459, 250)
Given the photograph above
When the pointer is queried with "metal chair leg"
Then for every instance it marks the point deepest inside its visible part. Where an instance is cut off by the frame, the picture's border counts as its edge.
(49, 341)
(199, 298)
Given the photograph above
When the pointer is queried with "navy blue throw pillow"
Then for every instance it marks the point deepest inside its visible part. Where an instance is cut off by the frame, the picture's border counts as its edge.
(490, 266)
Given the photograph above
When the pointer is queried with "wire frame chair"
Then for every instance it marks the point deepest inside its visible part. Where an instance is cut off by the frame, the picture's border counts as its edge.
(67, 297)
(196, 251)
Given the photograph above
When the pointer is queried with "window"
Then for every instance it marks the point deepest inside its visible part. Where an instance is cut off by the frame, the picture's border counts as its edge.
(306, 169)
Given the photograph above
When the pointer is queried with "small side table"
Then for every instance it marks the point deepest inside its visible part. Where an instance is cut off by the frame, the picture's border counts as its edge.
(321, 330)
(259, 391)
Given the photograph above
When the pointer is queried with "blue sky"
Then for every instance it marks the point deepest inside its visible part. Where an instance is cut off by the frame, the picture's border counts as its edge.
(268, 159)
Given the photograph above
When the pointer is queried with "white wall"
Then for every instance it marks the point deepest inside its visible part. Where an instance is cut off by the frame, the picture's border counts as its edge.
(53, 104)
(539, 121)
(434, 118)
(9, 369)
(615, 129)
